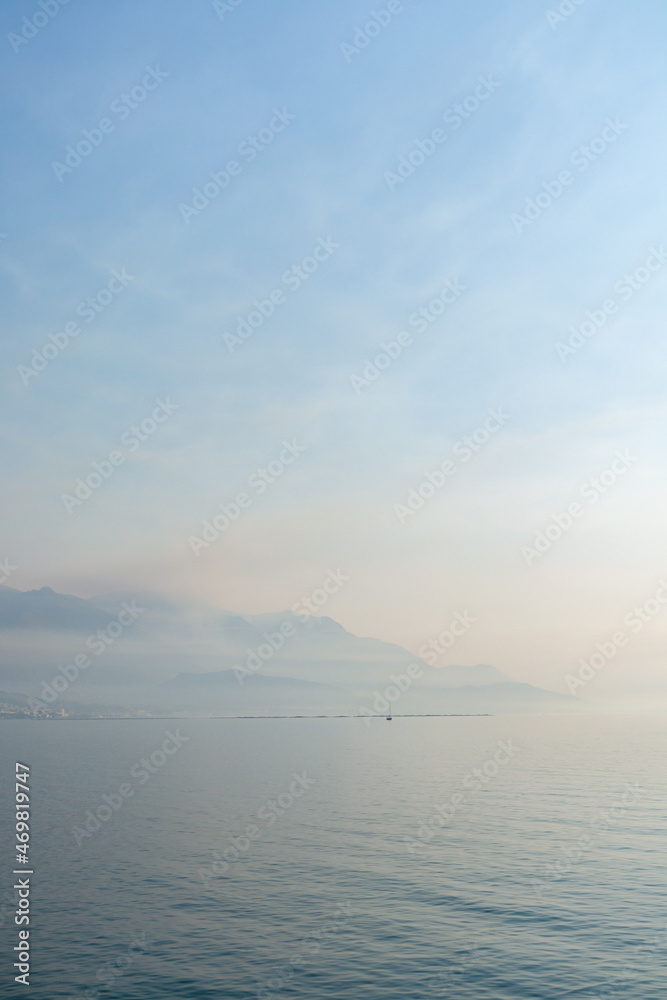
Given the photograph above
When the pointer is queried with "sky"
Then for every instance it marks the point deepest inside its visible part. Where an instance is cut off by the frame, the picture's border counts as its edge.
(498, 167)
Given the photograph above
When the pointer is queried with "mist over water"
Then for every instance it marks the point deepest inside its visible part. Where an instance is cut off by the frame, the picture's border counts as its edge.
(503, 857)
(333, 380)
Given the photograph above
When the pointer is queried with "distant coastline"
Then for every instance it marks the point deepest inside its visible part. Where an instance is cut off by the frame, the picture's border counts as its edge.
(144, 718)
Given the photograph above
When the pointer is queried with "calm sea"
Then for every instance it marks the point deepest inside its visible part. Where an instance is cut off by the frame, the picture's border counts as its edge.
(503, 857)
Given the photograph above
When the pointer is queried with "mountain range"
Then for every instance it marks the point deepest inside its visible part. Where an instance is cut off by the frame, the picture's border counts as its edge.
(144, 652)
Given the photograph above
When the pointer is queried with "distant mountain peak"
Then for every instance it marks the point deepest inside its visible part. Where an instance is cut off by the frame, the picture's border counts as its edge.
(184, 654)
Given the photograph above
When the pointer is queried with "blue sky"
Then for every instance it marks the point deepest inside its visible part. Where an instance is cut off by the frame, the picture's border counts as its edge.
(222, 76)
